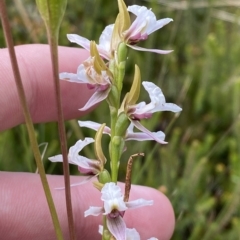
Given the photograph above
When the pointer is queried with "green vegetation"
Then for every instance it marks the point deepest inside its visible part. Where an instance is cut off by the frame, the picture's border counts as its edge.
(199, 169)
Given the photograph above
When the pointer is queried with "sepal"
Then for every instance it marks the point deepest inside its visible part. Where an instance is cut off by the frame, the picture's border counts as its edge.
(98, 145)
(123, 17)
(135, 89)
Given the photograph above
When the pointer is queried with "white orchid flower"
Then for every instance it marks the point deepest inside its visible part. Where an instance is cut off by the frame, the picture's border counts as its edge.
(144, 24)
(114, 207)
(142, 110)
(130, 134)
(85, 165)
(157, 104)
(86, 74)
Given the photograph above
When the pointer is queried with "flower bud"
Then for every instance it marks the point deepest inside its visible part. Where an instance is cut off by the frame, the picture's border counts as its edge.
(121, 124)
(104, 177)
(135, 89)
(122, 52)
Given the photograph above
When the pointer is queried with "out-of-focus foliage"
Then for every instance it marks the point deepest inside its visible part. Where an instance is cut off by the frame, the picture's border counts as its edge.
(199, 169)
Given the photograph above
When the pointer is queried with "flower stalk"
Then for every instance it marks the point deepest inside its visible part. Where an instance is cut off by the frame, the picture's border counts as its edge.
(52, 13)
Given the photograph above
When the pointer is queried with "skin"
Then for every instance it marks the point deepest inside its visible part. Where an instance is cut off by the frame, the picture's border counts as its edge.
(23, 209)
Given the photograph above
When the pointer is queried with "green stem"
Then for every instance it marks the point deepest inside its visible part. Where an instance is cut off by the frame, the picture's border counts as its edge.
(53, 42)
(117, 142)
(28, 120)
(114, 161)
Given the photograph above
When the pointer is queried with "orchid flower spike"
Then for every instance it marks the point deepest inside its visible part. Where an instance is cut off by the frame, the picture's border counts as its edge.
(85, 165)
(95, 74)
(114, 207)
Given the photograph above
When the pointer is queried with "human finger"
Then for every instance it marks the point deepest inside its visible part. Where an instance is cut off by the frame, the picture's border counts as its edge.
(36, 71)
(25, 214)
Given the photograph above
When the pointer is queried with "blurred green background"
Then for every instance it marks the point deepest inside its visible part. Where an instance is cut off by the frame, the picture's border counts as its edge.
(199, 169)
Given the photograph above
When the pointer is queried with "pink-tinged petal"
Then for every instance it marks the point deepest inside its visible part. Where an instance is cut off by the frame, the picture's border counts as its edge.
(132, 234)
(118, 204)
(105, 38)
(57, 158)
(83, 42)
(89, 178)
(78, 146)
(94, 211)
(139, 203)
(95, 126)
(95, 98)
(159, 24)
(110, 191)
(142, 108)
(158, 102)
(155, 93)
(149, 50)
(145, 115)
(100, 229)
(85, 165)
(140, 10)
(140, 136)
(81, 73)
(169, 107)
(139, 126)
(145, 22)
(71, 77)
(153, 238)
(134, 33)
(145, 19)
(88, 169)
(117, 227)
(112, 198)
